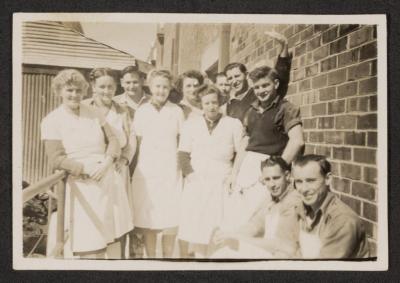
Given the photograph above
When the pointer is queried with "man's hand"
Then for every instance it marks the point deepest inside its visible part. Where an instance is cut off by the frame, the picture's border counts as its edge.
(218, 238)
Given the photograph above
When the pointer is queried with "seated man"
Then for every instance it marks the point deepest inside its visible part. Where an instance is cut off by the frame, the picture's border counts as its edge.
(266, 234)
(327, 228)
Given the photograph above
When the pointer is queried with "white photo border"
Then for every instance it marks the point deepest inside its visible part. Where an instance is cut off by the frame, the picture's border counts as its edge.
(21, 263)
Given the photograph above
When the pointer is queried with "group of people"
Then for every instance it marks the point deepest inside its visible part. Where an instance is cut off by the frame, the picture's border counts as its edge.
(206, 165)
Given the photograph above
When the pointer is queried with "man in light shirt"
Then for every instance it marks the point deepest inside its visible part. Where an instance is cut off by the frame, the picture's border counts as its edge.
(267, 233)
(134, 94)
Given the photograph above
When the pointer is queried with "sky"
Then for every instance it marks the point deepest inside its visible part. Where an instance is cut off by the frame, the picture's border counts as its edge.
(134, 38)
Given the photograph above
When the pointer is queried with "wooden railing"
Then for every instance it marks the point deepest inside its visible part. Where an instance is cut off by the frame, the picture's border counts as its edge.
(58, 179)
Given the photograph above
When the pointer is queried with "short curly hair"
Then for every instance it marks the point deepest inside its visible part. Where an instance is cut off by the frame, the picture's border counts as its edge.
(69, 77)
(262, 72)
(101, 72)
(159, 73)
(193, 74)
(275, 160)
(131, 70)
(206, 89)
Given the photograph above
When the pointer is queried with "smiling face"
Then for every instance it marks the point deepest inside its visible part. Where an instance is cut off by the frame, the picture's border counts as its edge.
(104, 89)
(71, 96)
(275, 179)
(265, 88)
(236, 79)
(210, 105)
(188, 87)
(132, 84)
(310, 183)
(159, 88)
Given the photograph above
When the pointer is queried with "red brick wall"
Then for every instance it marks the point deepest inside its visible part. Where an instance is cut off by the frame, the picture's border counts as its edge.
(333, 80)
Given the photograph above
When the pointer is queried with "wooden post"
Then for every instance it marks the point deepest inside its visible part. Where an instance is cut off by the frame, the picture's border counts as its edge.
(59, 249)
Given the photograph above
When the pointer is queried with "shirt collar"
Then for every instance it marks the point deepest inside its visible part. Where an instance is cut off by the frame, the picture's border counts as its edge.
(257, 104)
(304, 211)
(240, 96)
(211, 125)
(114, 106)
(131, 103)
(167, 104)
(282, 196)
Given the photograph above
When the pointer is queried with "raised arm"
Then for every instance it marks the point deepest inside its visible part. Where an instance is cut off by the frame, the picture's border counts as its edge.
(283, 61)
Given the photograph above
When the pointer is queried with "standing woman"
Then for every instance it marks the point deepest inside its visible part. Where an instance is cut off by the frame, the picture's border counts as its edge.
(79, 140)
(207, 146)
(186, 85)
(156, 181)
(103, 82)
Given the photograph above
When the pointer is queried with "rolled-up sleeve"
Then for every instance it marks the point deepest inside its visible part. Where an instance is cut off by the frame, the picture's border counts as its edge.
(291, 116)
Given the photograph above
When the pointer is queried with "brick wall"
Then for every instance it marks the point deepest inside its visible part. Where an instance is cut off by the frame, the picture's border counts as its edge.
(333, 80)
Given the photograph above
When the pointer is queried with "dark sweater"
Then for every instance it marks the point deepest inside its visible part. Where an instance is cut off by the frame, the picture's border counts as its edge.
(237, 108)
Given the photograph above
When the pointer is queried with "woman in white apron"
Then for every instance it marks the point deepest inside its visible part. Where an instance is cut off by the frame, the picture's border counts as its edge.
(209, 142)
(75, 140)
(103, 83)
(157, 181)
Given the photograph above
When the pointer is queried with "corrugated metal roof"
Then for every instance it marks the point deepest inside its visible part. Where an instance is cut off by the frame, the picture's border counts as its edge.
(53, 44)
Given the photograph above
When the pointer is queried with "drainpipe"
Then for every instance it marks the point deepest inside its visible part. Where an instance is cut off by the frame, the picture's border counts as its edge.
(224, 56)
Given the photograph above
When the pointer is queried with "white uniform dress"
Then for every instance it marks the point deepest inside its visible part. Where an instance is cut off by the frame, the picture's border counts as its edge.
(95, 211)
(119, 121)
(157, 182)
(211, 160)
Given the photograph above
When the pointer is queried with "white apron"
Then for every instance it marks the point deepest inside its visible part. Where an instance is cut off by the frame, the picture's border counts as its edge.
(94, 210)
(248, 195)
(211, 155)
(116, 121)
(157, 182)
(201, 207)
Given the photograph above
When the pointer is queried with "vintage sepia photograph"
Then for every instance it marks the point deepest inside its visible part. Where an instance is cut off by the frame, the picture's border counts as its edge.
(194, 141)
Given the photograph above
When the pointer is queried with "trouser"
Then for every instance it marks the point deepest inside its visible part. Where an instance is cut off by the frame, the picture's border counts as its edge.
(136, 244)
